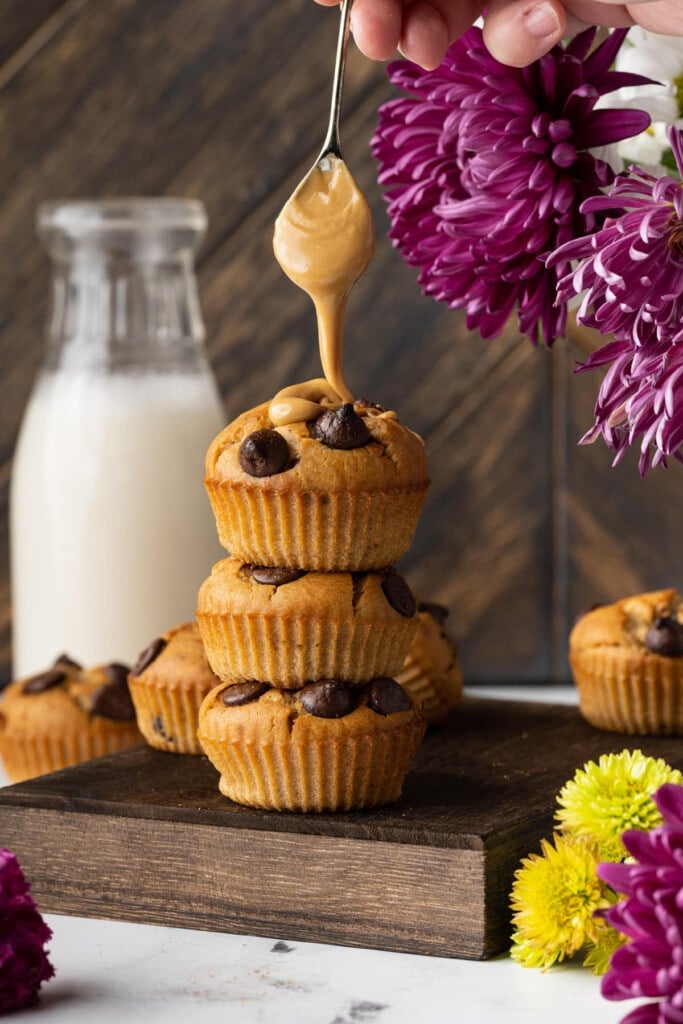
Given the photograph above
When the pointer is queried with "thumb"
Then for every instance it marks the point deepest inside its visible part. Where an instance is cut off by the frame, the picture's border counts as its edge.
(517, 32)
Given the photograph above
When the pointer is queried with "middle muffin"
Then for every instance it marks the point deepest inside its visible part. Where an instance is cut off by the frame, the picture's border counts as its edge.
(288, 627)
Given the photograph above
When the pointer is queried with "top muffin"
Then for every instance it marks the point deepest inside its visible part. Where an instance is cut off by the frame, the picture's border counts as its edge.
(340, 491)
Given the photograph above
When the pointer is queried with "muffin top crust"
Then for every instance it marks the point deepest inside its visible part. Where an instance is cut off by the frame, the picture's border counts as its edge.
(648, 622)
(355, 447)
(67, 694)
(245, 589)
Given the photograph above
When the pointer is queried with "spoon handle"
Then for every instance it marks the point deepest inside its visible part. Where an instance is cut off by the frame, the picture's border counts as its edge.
(332, 143)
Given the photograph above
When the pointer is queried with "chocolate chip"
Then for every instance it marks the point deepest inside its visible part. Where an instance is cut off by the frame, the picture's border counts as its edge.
(264, 453)
(386, 696)
(398, 593)
(44, 681)
(66, 662)
(116, 672)
(341, 428)
(150, 654)
(112, 700)
(243, 693)
(438, 612)
(276, 577)
(327, 698)
(665, 637)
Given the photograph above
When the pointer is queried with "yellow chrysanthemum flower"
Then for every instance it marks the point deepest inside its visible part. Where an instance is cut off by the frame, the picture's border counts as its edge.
(607, 941)
(553, 899)
(605, 799)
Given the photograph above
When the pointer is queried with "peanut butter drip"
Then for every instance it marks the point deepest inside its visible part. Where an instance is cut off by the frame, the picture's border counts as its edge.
(302, 402)
(324, 239)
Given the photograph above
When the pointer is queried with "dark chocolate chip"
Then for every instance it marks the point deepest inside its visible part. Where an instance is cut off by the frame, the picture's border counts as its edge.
(327, 698)
(398, 593)
(116, 672)
(264, 453)
(438, 612)
(243, 693)
(276, 577)
(386, 696)
(341, 428)
(64, 661)
(665, 637)
(150, 654)
(44, 681)
(112, 700)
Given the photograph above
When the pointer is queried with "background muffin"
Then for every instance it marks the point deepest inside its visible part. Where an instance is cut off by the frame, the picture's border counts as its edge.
(343, 492)
(431, 672)
(627, 662)
(167, 684)
(63, 716)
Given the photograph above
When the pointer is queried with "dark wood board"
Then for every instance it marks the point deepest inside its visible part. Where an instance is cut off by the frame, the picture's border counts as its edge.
(145, 836)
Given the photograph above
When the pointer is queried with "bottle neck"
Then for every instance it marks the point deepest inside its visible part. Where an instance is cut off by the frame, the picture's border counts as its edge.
(117, 315)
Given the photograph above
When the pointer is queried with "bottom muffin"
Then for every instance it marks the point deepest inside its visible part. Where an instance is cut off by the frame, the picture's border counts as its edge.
(325, 747)
(63, 716)
(168, 684)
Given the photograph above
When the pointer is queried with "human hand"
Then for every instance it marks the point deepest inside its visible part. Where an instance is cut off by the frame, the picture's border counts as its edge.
(516, 32)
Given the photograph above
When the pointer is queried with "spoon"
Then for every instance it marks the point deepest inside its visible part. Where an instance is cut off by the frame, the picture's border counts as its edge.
(332, 143)
(324, 236)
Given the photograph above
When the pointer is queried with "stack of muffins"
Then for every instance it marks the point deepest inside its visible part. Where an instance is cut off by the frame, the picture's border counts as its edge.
(306, 623)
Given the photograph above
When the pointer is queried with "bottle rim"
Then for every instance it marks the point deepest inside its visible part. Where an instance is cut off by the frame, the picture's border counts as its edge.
(81, 217)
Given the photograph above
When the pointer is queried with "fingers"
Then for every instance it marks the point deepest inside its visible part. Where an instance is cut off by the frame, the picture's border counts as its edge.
(430, 26)
(663, 16)
(517, 32)
(425, 36)
(376, 27)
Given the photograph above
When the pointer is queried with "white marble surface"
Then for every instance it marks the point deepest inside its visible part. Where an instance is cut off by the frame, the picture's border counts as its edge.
(109, 972)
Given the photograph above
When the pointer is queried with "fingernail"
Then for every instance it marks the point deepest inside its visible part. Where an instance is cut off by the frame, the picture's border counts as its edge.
(542, 21)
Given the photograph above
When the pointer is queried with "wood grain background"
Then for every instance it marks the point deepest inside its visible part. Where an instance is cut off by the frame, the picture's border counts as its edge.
(226, 101)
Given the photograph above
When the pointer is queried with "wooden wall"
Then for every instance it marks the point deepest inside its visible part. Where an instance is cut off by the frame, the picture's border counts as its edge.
(227, 101)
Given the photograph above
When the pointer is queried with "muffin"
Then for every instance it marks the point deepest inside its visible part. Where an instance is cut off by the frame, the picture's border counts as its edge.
(288, 627)
(63, 716)
(627, 662)
(341, 491)
(431, 672)
(325, 747)
(168, 683)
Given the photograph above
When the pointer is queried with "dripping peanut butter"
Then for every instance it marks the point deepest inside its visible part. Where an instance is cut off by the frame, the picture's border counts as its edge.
(324, 239)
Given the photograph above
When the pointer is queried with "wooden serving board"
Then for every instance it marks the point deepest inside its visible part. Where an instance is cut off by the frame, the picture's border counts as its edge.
(146, 836)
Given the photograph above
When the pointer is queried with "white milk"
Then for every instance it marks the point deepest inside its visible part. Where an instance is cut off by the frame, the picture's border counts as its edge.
(112, 532)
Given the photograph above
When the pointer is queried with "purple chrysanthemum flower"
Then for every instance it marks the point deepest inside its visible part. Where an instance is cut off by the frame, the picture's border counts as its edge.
(487, 166)
(651, 963)
(632, 273)
(632, 270)
(24, 964)
(641, 396)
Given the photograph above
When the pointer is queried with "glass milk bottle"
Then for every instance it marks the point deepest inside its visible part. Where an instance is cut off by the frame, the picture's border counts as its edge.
(111, 530)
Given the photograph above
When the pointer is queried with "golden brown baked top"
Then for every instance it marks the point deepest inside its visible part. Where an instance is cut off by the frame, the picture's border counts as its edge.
(650, 622)
(328, 707)
(243, 589)
(176, 661)
(68, 696)
(385, 454)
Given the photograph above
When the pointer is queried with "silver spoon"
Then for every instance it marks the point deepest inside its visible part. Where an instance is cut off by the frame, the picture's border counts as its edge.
(332, 143)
